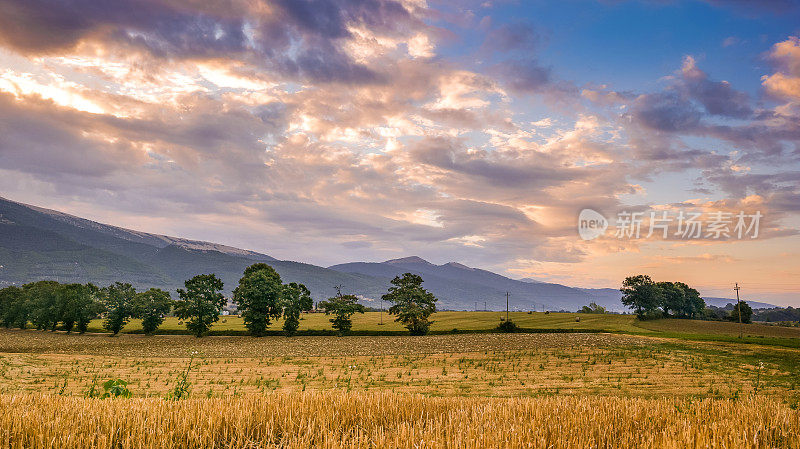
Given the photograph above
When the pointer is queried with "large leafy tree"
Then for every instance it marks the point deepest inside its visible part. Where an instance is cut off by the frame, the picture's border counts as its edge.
(46, 304)
(641, 294)
(23, 307)
(692, 305)
(413, 305)
(12, 305)
(680, 300)
(81, 305)
(672, 298)
(342, 307)
(296, 299)
(151, 306)
(118, 299)
(201, 303)
(259, 297)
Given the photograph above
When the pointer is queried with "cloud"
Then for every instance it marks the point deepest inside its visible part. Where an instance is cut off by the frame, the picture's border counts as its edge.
(310, 128)
(297, 39)
(786, 82)
(43, 27)
(717, 97)
(666, 111)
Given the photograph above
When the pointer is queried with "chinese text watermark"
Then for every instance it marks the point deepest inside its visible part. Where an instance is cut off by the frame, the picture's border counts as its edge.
(664, 224)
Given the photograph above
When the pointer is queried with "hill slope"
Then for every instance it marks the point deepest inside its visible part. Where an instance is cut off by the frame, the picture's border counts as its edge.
(38, 243)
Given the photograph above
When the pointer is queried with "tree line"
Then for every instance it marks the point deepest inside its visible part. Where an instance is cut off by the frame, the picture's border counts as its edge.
(260, 297)
(650, 299)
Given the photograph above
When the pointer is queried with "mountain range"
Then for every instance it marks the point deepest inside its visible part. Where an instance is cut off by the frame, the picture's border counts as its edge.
(38, 243)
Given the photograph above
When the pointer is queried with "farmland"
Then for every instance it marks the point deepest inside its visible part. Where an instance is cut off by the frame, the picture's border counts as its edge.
(624, 388)
(443, 365)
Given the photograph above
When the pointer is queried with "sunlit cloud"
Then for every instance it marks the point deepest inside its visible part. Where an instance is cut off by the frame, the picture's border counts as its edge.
(394, 127)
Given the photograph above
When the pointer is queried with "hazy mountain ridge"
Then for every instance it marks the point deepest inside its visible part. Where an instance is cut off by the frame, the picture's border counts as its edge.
(37, 243)
(462, 287)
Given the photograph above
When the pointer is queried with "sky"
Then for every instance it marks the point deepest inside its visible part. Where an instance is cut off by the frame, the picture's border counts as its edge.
(471, 131)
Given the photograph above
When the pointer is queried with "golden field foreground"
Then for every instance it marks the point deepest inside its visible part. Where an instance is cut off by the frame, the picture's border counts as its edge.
(391, 420)
(464, 390)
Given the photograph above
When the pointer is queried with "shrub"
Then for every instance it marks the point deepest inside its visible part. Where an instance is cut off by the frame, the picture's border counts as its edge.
(508, 327)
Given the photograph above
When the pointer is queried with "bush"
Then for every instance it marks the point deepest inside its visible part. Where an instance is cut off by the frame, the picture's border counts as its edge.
(508, 327)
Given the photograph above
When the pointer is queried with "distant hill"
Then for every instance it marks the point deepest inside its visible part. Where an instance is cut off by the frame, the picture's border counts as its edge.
(463, 288)
(37, 243)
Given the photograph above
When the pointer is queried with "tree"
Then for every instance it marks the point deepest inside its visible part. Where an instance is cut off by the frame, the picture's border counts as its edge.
(11, 304)
(747, 312)
(118, 299)
(693, 305)
(641, 294)
(81, 305)
(259, 297)
(342, 307)
(46, 304)
(201, 303)
(296, 299)
(680, 300)
(20, 313)
(593, 307)
(412, 303)
(671, 297)
(151, 306)
(91, 309)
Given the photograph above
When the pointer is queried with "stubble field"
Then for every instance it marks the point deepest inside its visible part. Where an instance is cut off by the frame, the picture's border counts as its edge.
(461, 390)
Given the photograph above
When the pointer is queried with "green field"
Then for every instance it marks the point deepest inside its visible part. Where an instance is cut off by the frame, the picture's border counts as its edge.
(474, 322)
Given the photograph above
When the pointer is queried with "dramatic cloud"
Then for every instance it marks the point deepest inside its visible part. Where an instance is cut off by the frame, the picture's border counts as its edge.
(328, 131)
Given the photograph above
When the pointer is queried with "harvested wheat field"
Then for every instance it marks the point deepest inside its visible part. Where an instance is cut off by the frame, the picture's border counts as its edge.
(385, 419)
(477, 391)
(494, 365)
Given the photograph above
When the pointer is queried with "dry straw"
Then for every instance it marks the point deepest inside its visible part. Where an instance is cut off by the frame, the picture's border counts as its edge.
(385, 419)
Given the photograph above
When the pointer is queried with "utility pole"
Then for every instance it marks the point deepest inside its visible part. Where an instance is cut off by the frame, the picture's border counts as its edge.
(739, 306)
(381, 323)
(506, 306)
(476, 306)
(485, 309)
